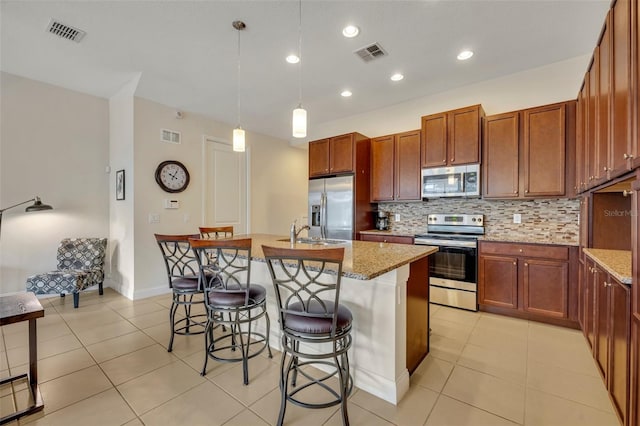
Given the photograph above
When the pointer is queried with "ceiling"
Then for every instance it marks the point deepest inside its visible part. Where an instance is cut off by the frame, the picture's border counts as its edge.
(186, 51)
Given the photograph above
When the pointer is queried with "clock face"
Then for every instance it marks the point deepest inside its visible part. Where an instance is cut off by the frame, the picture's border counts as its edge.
(172, 176)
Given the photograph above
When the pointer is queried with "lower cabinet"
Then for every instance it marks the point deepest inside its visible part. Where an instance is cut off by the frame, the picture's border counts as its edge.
(611, 334)
(528, 281)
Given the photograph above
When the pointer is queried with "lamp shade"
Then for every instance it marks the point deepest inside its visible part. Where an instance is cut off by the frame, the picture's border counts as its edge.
(238, 139)
(299, 122)
(37, 206)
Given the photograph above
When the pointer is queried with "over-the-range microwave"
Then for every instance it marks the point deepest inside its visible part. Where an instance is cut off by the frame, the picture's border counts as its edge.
(455, 181)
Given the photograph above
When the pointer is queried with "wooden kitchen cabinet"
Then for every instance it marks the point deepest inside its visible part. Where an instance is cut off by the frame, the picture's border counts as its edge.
(601, 346)
(532, 281)
(634, 408)
(621, 124)
(336, 155)
(589, 300)
(501, 147)
(603, 111)
(525, 153)
(395, 167)
(452, 138)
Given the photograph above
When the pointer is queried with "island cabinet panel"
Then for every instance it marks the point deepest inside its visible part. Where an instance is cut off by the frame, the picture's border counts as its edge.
(531, 281)
(621, 122)
(500, 156)
(546, 287)
(395, 167)
(525, 153)
(417, 313)
(452, 137)
(544, 151)
(498, 278)
(336, 155)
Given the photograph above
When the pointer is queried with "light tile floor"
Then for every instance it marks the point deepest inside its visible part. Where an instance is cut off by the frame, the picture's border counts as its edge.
(106, 364)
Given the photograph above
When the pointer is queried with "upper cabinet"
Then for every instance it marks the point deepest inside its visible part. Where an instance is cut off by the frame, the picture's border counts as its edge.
(395, 167)
(452, 137)
(336, 155)
(525, 152)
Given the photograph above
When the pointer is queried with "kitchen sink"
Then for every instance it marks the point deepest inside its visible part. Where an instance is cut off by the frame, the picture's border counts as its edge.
(317, 241)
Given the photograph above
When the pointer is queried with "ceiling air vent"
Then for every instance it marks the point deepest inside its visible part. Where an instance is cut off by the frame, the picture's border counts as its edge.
(371, 52)
(65, 31)
(169, 136)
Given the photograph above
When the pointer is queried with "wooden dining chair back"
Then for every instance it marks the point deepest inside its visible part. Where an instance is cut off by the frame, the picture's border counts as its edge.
(215, 232)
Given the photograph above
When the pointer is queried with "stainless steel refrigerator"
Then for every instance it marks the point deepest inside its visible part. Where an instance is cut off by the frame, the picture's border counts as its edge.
(331, 204)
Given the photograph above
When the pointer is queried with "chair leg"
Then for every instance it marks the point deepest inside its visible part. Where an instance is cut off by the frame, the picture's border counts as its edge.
(343, 390)
(76, 299)
(208, 336)
(268, 333)
(172, 315)
(284, 383)
(100, 289)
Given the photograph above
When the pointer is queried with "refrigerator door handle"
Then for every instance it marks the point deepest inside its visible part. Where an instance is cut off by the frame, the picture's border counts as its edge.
(323, 215)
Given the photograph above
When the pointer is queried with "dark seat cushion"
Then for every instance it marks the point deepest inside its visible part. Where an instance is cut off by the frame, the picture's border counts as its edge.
(185, 283)
(235, 298)
(317, 325)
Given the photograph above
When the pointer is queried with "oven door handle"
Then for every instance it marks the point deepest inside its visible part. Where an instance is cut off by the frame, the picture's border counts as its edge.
(442, 244)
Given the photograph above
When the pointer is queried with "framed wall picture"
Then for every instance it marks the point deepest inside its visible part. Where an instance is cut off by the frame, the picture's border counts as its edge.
(120, 185)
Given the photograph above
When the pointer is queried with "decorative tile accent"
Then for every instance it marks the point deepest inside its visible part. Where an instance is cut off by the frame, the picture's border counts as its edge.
(548, 221)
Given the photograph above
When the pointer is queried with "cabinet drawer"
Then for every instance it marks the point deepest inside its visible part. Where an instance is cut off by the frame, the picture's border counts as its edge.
(525, 250)
(387, 238)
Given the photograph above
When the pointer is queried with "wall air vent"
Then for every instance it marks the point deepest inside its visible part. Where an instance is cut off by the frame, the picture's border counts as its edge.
(65, 31)
(371, 52)
(169, 136)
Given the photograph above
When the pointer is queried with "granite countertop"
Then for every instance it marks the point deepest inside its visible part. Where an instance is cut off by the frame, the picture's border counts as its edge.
(535, 239)
(363, 260)
(615, 262)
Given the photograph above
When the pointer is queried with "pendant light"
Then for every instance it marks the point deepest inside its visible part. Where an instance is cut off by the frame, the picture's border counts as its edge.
(238, 132)
(299, 121)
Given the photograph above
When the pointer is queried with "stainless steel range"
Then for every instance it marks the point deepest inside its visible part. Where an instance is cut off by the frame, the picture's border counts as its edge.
(453, 269)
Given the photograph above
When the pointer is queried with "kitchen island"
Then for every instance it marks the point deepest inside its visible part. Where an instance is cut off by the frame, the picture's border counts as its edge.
(383, 285)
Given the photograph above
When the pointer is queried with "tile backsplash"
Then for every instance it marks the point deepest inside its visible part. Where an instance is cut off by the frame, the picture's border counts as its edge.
(555, 220)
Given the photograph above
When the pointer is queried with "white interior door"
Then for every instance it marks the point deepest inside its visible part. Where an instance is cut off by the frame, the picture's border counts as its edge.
(225, 193)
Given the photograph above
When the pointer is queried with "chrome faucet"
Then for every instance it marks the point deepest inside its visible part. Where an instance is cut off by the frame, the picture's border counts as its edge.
(293, 232)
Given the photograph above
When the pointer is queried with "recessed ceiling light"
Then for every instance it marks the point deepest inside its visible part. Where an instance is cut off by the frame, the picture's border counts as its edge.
(350, 31)
(464, 55)
(397, 77)
(293, 59)
(346, 93)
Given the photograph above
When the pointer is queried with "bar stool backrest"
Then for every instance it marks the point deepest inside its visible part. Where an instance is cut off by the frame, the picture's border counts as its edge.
(230, 272)
(216, 232)
(306, 282)
(179, 259)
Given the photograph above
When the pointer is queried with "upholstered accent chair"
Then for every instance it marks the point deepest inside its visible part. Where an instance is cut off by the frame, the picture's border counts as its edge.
(80, 265)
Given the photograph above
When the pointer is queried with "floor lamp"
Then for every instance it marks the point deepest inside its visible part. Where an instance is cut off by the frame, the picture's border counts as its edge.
(35, 207)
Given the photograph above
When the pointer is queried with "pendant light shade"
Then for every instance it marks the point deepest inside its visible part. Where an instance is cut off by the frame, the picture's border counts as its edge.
(238, 133)
(299, 122)
(238, 139)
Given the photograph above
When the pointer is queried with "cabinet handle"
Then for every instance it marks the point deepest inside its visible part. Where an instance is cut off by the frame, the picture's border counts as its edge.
(514, 263)
(515, 192)
(626, 193)
(453, 159)
(520, 250)
(526, 264)
(605, 168)
(526, 191)
(627, 156)
(444, 161)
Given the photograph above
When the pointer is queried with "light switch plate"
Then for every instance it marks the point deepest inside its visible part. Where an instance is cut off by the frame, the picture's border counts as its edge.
(517, 218)
(154, 217)
(396, 217)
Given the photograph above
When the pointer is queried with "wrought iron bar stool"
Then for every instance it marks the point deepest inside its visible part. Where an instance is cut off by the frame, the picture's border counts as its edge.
(232, 302)
(216, 232)
(183, 274)
(316, 328)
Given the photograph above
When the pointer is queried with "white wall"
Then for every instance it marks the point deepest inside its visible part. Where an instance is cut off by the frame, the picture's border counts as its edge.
(54, 144)
(278, 186)
(538, 86)
(121, 212)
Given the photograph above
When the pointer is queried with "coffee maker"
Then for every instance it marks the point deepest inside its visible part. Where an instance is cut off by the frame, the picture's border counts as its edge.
(381, 219)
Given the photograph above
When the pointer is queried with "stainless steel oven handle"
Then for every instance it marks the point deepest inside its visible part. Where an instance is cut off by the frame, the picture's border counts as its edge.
(442, 243)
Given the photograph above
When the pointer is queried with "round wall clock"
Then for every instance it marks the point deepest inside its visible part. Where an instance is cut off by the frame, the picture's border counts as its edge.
(172, 176)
